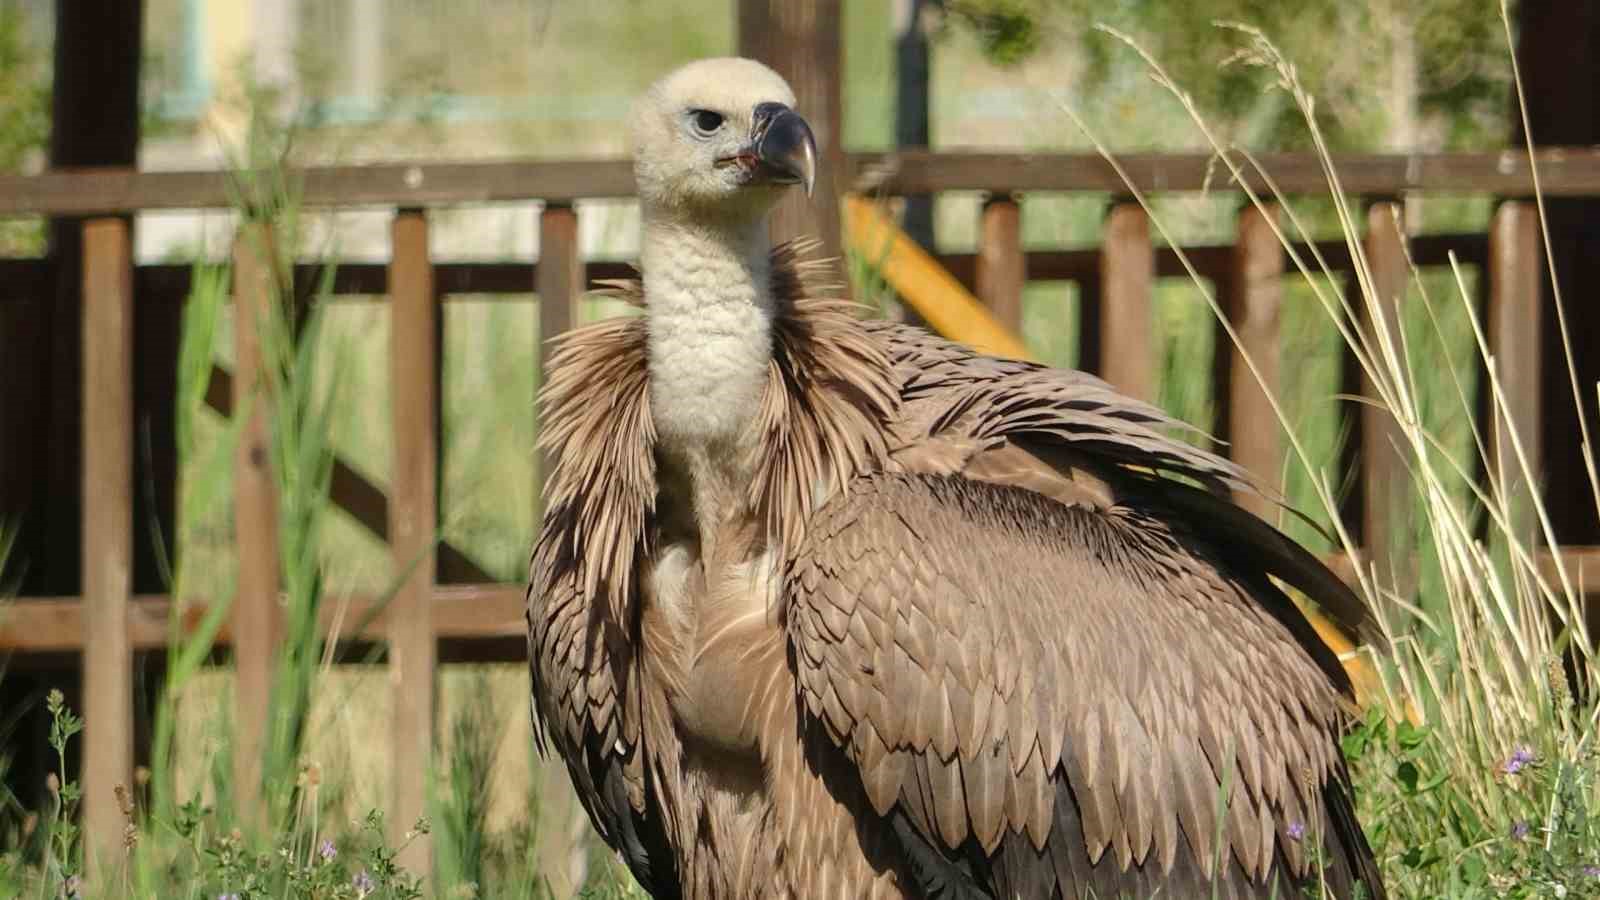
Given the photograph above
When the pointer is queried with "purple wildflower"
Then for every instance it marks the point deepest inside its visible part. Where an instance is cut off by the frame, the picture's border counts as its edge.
(1519, 830)
(363, 883)
(73, 887)
(1297, 830)
(1591, 871)
(327, 851)
(227, 897)
(1520, 758)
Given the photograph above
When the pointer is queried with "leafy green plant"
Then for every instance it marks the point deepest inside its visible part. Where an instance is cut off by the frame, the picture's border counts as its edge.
(63, 864)
(462, 790)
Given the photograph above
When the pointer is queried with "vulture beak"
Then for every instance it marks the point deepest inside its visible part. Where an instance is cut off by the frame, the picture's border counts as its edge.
(782, 142)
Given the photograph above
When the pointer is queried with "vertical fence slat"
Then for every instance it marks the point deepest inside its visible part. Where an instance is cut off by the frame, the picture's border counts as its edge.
(107, 528)
(1253, 301)
(1513, 319)
(413, 517)
(257, 618)
(1385, 504)
(558, 281)
(1002, 270)
(1127, 326)
(803, 42)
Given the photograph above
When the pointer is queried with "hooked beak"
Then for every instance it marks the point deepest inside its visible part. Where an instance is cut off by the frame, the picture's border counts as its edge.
(784, 145)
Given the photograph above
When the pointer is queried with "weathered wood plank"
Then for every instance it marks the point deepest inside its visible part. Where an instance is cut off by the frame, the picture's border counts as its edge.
(479, 614)
(802, 41)
(1512, 319)
(512, 280)
(1563, 171)
(367, 281)
(1385, 485)
(560, 286)
(107, 528)
(352, 492)
(258, 618)
(465, 612)
(413, 520)
(1127, 322)
(91, 191)
(1253, 302)
(1002, 269)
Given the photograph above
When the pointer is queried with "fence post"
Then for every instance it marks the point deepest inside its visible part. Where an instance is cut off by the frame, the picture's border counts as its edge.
(802, 41)
(559, 283)
(1252, 302)
(107, 531)
(1385, 494)
(1127, 273)
(257, 616)
(413, 519)
(1002, 270)
(1513, 318)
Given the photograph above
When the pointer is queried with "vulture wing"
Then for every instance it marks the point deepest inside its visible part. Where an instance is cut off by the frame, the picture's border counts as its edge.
(589, 697)
(1049, 676)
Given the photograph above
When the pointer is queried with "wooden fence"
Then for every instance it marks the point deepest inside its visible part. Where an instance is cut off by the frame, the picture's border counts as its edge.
(446, 608)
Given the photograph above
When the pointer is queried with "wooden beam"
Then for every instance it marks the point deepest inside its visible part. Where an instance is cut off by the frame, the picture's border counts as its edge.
(108, 313)
(1002, 268)
(802, 41)
(1512, 322)
(465, 612)
(1126, 315)
(560, 286)
(352, 492)
(1385, 480)
(98, 190)
(258, 618)
(413, 517)
(160, 283)
(1216, 261)
(362, 281)
(1252, 301)
(1563, 172)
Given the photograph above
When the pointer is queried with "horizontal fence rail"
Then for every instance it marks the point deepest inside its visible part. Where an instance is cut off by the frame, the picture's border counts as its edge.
(446, 607)
(1562, 172)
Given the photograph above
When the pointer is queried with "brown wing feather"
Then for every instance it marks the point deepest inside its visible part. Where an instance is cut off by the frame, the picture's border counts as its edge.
(584, 579)
(958, 403)
(1127, 632)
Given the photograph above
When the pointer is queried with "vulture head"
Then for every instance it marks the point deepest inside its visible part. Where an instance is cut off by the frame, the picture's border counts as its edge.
(715, 145)
(719, 139)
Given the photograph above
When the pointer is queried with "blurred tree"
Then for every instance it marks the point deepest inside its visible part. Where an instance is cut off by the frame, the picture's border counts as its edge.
(24, 122)
(24, 94)
(1391, 74)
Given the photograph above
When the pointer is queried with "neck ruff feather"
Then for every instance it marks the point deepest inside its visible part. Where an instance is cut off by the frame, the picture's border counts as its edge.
(824, 418)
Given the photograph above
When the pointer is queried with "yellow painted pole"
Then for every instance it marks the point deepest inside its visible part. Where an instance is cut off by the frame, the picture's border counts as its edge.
(952, 311)
(920, 281)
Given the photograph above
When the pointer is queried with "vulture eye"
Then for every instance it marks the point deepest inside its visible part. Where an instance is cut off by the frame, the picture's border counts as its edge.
(705, 121)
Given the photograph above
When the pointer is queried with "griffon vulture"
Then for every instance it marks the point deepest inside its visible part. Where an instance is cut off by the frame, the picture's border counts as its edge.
(831, 607)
